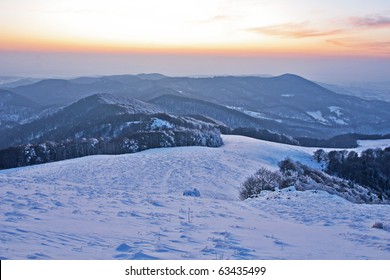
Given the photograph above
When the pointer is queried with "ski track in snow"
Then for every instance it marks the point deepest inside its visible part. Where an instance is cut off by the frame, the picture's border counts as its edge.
(131, 207)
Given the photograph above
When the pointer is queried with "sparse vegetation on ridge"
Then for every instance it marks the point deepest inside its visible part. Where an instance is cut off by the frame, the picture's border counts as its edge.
(371, 168)
(304, 178)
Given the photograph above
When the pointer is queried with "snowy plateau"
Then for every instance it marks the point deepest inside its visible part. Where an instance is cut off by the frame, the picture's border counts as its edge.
(132, 206)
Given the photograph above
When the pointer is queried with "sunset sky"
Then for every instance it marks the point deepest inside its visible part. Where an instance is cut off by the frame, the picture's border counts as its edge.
(331, 40)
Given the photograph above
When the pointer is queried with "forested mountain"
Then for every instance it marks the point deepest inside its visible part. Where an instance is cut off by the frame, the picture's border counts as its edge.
(15, 109)
(286, 104)
(230, 117)
(102, 124)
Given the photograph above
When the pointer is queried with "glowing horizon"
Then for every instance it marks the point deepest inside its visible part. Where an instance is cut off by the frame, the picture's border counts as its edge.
(199, 26)
(235, 34)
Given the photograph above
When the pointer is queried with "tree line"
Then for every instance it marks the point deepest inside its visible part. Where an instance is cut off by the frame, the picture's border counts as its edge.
(51, 151)
(303, 178)
(371, 168)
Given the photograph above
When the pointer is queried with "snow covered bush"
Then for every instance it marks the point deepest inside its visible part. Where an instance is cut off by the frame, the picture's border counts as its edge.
(195, 192)
(380, 225)
(321, 157)
(302, 178)
(263, 179)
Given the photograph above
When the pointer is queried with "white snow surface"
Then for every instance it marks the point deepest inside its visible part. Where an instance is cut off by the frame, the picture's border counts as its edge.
(336, 118)
(288, 95)
(373, 144)
(317, 115)
(335, 109)
(132, 207)
(132, 106)
(253, 114)
(159, 123)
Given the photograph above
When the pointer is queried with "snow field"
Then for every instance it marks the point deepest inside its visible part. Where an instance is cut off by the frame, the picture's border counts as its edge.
(131, 207)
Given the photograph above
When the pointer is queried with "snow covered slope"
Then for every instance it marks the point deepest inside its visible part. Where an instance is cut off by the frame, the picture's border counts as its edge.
(132, 207)
(15, 109)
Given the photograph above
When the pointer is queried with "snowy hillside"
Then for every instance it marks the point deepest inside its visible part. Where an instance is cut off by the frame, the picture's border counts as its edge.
(132, 207)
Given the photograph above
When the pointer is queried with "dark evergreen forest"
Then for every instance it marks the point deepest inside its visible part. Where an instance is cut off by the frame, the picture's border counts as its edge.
(370, 169)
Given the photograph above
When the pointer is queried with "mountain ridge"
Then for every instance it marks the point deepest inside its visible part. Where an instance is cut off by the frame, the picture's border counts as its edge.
(15, 109)
(297, 106)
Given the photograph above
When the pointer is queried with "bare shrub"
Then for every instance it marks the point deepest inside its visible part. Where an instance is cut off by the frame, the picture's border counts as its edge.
(263, 179)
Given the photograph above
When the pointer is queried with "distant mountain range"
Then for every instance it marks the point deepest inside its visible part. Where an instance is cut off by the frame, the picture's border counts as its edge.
(287, 104)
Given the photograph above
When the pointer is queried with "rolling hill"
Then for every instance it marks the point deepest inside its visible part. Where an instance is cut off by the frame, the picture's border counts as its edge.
(132, 207)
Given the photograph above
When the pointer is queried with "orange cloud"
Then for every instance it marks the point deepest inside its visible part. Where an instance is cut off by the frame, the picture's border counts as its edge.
(361, 46)
(293, 30)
